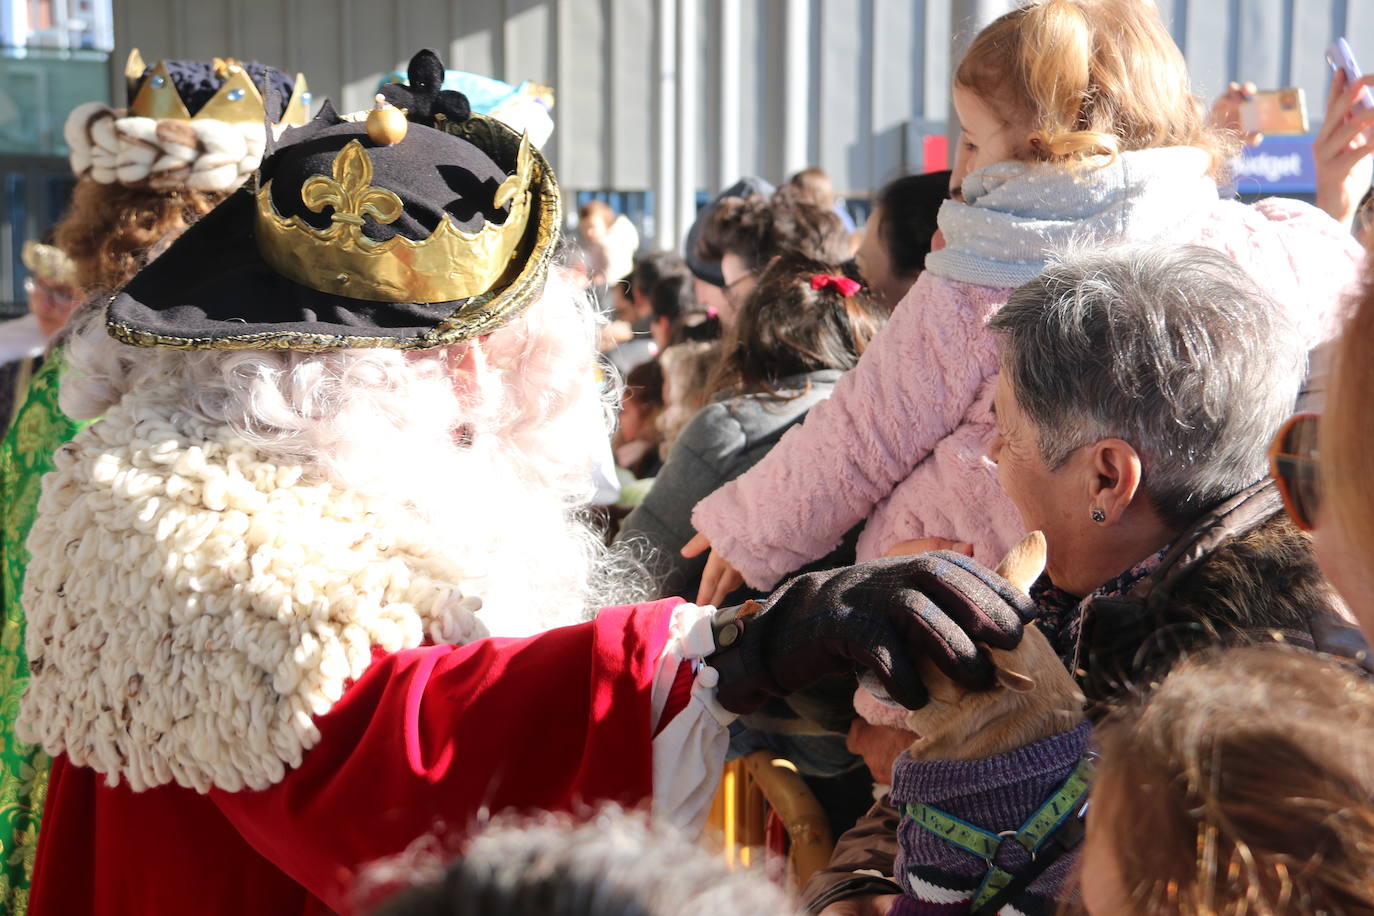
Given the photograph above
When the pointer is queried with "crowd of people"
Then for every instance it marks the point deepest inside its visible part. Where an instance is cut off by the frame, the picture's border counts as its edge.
(370, 548)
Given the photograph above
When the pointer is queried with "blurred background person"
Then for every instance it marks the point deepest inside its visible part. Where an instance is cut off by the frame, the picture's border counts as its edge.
(638, 437)
(710, 282)
(679, 315)
(635, 342)
(899, 233)
(687, 370)
(1250, 770)
(744, 234)
(814, 184)
(608, 242)
(51, 293)
(611, 863)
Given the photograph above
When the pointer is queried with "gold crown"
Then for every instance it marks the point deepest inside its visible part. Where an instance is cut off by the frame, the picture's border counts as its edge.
(450, 264)
(238, 101)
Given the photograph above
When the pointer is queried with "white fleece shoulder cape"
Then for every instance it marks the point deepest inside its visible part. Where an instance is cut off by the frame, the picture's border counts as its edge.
(191, 606)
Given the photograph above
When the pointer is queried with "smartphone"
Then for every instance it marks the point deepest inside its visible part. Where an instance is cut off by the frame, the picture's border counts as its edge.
(1275, 111)
(1340, 58)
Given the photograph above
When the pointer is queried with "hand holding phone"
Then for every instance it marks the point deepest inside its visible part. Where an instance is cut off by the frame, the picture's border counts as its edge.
(1342, 149)
(1340, 57)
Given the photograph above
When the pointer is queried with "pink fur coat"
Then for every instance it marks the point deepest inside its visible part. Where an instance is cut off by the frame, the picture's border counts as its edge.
(901, 441)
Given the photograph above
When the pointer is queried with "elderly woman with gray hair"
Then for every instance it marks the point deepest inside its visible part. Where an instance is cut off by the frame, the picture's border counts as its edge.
(1139, 390)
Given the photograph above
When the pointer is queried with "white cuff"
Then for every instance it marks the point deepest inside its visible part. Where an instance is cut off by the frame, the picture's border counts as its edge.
(690, 750)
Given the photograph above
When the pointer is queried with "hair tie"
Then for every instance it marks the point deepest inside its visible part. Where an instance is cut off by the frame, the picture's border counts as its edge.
(711, 312)
(842, 285)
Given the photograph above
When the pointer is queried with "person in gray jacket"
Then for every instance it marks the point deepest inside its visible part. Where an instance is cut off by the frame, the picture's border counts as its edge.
(801, 327)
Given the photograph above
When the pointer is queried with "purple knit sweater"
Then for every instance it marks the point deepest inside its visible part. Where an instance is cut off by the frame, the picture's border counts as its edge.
(995, 793)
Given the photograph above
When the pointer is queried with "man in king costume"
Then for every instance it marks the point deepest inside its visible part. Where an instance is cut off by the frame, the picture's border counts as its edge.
(315, 585)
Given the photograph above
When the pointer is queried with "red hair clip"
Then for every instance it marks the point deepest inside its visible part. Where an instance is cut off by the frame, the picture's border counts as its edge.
(842, 285)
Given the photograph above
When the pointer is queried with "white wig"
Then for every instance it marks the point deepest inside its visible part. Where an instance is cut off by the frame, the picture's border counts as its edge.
(491, 442)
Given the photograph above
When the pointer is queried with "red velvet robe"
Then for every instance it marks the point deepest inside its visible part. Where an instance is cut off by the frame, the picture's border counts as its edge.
(423, 741)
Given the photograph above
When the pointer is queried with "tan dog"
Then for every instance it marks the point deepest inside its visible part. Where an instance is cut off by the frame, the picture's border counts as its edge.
(1034, 698)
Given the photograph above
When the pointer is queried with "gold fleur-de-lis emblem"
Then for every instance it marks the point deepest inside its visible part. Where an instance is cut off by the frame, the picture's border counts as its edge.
(350, 193)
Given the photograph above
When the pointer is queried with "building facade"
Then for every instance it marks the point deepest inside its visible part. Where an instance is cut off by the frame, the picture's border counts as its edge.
(661, 101)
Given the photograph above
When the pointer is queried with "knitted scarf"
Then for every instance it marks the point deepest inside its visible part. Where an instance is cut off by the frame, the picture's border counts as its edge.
(1014, 214)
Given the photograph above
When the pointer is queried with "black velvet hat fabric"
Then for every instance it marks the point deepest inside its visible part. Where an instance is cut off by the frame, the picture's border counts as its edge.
(197, 82)
(433, 173)
(212, 288)
(212, 284)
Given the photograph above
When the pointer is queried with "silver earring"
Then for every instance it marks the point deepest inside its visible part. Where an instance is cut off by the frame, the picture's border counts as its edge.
(1098, 515)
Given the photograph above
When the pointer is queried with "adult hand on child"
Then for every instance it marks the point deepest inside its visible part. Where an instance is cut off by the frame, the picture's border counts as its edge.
(885, 616)
(1341, 151)
(719, 578)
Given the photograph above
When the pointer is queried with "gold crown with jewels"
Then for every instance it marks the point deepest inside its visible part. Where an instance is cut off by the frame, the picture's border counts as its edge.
(238, 101)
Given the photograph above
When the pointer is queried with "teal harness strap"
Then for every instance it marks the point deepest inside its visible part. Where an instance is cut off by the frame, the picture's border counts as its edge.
(953, 830)
(984, 844)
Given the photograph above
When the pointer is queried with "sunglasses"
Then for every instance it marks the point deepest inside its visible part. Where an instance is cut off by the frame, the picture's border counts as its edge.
(1293, 463)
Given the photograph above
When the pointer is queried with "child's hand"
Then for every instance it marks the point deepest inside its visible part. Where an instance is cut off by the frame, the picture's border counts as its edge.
(1341, 150)
(719, 578)
(926, 545)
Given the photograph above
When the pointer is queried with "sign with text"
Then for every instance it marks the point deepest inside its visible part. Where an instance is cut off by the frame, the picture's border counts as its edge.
(1278, 165)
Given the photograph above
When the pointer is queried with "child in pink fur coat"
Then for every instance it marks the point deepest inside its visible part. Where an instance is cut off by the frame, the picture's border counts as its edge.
(1060, 147)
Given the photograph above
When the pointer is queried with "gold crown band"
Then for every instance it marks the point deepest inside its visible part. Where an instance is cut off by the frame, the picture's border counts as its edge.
(238, 101)
(450, 264)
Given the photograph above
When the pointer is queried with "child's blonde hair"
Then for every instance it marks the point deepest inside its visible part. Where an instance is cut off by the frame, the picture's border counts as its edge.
(1240, 787)
(1091, 77)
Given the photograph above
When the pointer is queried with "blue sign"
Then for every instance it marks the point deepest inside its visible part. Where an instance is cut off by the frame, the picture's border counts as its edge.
(1278, 165)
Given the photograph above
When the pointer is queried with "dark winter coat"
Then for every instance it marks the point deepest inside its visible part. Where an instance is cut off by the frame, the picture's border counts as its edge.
(721, 442)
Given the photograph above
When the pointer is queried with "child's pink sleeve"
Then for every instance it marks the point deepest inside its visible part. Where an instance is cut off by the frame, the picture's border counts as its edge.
(912, 388)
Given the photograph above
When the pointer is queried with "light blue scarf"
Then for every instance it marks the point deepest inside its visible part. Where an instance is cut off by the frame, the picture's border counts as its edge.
(1016, 214)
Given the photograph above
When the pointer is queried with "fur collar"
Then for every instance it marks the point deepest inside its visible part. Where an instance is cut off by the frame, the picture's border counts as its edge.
(192, 606)
(1240, 576)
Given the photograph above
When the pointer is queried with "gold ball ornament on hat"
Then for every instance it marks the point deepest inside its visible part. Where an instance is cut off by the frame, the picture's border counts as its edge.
(386, 124)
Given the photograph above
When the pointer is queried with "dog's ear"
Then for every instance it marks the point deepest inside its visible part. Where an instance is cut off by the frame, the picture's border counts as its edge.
(1014, 681)
(1024, 563)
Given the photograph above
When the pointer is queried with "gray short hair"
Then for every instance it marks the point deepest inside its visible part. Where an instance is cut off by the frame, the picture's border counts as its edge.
(615, 863)
(1172, 348)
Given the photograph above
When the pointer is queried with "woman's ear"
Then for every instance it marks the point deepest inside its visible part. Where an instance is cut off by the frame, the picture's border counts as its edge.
(1114, 479)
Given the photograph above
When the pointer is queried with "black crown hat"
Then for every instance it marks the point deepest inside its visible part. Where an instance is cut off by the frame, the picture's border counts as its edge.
(443, 235)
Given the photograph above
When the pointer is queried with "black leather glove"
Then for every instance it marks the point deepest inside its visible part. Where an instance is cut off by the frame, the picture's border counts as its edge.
(883, 616)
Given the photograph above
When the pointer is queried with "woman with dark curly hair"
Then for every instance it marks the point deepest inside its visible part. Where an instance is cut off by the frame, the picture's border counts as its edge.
(109, 231)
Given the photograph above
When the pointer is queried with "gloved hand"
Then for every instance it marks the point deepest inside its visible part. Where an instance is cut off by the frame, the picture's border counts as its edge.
(884, 616)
